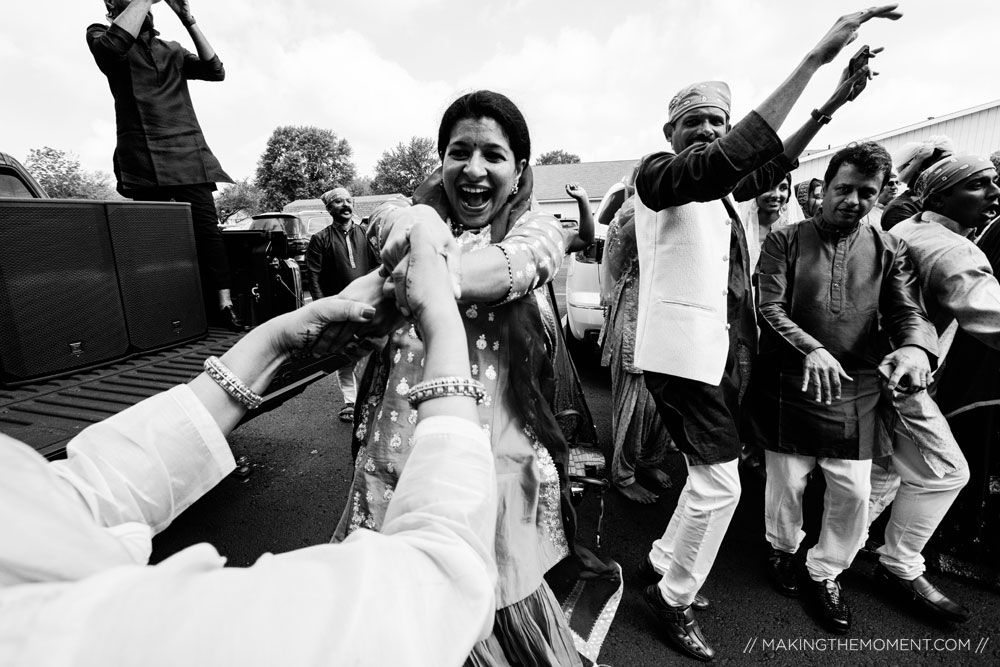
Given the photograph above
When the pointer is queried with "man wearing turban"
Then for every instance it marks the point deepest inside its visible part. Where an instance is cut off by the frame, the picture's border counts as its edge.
(958, 195)
(336, 256)
(695, 328)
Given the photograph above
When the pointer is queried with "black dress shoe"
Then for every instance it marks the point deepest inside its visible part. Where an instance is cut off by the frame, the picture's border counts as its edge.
(230, 320)
(782, 572)
(831, 607)
(649, 575)
(919, 593)
(680, 626)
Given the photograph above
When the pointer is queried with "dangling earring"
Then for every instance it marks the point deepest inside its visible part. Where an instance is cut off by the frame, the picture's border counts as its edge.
(513, 190)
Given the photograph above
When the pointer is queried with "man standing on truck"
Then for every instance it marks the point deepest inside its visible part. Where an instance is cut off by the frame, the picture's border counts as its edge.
(337, 255)
(161, 153)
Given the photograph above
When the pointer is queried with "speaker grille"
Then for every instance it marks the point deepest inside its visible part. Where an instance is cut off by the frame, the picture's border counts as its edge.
(59, 303)
(157, 264)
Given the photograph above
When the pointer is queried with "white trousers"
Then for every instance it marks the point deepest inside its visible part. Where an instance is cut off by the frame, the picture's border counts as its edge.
(348, 380)
(921, 502)
(845, 509)
(686, 552)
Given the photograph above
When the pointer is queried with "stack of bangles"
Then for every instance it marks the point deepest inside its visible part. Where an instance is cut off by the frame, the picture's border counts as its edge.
(444, 387)
(231, 384)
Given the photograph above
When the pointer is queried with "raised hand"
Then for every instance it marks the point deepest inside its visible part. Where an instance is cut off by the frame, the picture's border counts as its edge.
(396, 244)
(183, 10)
(575, 191)
(845, 30)
(430, 273)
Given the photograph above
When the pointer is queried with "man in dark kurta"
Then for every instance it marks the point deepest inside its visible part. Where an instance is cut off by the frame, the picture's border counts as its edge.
(336, 256)
(161, 153)
(824, 285)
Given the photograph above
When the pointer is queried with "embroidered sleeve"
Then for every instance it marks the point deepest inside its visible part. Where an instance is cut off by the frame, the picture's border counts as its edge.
(534, 248)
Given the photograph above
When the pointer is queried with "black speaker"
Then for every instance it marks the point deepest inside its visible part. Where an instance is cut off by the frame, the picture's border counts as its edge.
(59, 304)
(157, 273)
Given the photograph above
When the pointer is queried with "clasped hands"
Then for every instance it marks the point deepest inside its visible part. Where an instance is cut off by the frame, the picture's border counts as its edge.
(906, 369)
(420, 273)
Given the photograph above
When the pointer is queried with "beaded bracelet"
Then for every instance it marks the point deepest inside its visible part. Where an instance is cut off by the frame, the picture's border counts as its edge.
(443, 387)
(231, 384)
(510, 280)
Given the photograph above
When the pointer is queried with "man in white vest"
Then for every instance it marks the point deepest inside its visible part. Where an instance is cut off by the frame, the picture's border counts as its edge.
(695, 330)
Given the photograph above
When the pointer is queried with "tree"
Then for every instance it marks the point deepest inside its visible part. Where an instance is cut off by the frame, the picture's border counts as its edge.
(557, 156)
(361, 186)
(403, 168)
(60, 174)
(240, 196)
(302, 163)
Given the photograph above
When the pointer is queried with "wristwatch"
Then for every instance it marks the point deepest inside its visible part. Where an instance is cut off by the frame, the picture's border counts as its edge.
(820, 118)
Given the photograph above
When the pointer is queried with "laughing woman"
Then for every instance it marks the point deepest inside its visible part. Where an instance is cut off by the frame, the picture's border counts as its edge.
(483, 190)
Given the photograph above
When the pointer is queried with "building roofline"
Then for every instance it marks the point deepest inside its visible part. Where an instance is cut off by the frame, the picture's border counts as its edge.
(628, 159)
(905, 128)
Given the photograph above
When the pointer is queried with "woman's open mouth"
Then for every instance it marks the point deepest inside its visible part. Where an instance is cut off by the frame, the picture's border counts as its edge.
(474, 197)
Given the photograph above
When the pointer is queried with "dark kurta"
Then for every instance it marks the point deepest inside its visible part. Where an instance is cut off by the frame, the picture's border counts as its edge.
(160, 142)
(820, 287)
(335, 258)
(703, 419)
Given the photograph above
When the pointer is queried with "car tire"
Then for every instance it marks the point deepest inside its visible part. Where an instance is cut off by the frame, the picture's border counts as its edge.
(579, 350)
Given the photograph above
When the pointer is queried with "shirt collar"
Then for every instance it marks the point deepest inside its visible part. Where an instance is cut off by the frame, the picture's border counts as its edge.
(827, 228)
(946, 222)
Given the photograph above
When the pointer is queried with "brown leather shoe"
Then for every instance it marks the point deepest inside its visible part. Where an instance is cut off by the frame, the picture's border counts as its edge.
(649, 575)
(679, 625)
(919, 593)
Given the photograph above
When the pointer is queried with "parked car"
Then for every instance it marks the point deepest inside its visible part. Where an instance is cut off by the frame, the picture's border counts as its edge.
(584, 312)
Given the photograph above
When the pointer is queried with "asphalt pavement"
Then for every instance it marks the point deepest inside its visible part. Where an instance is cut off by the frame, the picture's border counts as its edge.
(301, 466)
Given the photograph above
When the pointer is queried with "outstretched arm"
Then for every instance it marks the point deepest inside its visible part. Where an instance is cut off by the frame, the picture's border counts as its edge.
(183, 10)
(774, 110)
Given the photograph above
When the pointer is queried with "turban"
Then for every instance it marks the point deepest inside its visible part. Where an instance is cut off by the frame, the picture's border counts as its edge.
(328, 195)
(909, 158)
(949, 172)
(697, 95)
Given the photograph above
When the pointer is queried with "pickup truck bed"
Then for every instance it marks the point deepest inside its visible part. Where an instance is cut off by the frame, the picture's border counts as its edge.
(47, 415)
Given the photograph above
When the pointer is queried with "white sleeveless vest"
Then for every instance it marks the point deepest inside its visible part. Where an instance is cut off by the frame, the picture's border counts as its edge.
(683, 288)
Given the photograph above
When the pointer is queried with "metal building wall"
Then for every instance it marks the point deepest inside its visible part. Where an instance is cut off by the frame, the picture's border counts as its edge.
(976, 131)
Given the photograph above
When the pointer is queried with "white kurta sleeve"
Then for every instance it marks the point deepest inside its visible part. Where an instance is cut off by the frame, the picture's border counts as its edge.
(149, 463)
(422, 593)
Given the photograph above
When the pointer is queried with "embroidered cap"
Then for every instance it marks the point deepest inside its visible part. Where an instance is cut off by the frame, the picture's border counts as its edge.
(705, 94)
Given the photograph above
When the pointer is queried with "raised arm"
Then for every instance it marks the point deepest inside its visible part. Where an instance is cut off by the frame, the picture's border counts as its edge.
(527, 258)
(585, 232)
(709, 171)
(774, 110)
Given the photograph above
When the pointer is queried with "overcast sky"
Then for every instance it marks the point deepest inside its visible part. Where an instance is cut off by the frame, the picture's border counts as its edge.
(592, 77)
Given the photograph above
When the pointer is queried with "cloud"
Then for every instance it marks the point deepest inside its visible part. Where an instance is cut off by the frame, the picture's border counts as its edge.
(592, 77)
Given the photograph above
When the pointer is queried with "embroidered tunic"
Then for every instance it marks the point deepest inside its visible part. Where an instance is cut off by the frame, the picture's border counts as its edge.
(529, 532)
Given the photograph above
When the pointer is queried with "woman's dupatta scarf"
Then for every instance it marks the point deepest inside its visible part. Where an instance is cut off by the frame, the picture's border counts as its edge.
(532, 377)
